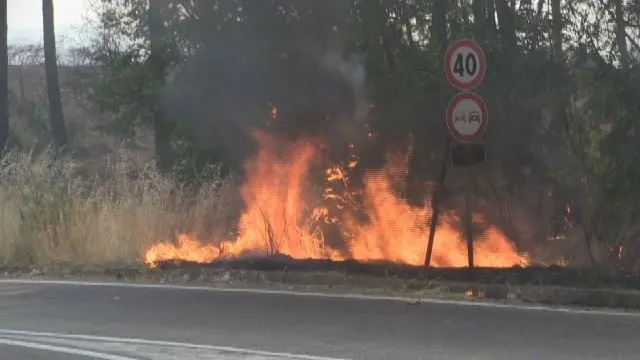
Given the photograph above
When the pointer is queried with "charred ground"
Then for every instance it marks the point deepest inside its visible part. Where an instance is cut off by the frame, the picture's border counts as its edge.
(514, 276)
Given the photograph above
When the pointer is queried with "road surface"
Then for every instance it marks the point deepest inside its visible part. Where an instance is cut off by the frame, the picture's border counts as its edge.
(67, 321)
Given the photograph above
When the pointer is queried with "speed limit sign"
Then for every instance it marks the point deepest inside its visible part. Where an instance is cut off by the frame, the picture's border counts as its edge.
(465, 64)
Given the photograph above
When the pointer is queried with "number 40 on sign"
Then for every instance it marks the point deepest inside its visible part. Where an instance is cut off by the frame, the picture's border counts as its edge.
(465, 64)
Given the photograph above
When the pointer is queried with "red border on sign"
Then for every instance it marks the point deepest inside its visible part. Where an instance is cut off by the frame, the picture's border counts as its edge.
(485, 117)
(482, 59)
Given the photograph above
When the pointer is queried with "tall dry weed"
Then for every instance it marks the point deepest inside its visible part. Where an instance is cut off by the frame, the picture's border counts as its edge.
(54, 211)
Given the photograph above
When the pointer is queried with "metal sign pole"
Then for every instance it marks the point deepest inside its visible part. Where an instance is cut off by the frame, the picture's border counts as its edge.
(468, 219)
(435, 203)
(467, 119)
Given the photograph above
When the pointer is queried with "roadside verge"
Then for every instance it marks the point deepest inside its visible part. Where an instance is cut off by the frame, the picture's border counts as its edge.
(344, 282)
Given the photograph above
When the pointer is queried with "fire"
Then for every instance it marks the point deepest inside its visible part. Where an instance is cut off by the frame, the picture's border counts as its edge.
(277, 219)
(274, 221)
(398, 232)
(188, 249)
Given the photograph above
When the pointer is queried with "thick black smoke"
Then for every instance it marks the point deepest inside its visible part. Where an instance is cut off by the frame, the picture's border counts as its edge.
(227, 88)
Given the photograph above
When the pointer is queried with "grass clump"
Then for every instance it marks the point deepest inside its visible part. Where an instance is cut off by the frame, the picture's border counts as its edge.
(54, 210)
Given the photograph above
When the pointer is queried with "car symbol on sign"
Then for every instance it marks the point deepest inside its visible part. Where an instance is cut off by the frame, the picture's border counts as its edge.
(460, 117)
(474, 116)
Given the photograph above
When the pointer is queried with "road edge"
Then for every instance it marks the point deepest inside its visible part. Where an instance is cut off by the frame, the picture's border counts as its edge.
(297, 291)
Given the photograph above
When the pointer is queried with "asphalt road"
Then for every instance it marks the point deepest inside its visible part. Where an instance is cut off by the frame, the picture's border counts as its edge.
(41, 321)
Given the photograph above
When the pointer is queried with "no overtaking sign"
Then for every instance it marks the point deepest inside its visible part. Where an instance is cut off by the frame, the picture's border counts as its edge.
(467, 117)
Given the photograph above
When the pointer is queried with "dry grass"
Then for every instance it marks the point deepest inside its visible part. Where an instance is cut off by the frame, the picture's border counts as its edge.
(53, 213)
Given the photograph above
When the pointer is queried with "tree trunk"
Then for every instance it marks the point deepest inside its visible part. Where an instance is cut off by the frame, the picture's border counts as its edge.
(507, 28)
(537, 34)
(163, 128)
(492, 28)
(58, 126)
(455, 25)
(621, 33)
(480, 20)
(439, 24)
(465, 18)
(4, 78)
(556, 31)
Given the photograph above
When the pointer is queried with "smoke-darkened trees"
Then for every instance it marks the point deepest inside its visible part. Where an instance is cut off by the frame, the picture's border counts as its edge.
(562, 88)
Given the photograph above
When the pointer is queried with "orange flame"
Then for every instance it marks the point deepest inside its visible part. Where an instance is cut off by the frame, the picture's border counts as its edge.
(188, 249)
(276, 219)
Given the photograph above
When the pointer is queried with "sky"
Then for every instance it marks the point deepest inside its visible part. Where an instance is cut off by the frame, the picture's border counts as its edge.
(25, 19)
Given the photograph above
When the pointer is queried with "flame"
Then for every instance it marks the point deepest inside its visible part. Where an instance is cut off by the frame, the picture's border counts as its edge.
(398, 231)
(277, 219)
(188, 249)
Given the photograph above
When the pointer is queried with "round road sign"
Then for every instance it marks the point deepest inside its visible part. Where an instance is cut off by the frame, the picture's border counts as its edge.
(465, 64)
(467, 117)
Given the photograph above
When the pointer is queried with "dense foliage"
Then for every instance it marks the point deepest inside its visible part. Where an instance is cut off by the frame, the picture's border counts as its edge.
(561, 86)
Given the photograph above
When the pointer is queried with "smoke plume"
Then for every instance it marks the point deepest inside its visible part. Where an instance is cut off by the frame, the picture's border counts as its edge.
(231, 84)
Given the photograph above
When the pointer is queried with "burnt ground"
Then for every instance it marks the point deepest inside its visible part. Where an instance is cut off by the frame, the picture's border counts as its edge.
(550, 276)
(546, 285)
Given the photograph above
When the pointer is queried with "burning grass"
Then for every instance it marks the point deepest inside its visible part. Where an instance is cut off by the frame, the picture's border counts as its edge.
(53, 212)
(374, 223)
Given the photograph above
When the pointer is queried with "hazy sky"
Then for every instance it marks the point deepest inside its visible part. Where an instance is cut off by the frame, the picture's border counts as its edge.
(25, 18)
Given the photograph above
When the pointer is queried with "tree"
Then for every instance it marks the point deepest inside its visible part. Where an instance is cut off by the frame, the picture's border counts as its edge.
(58, 126)
(162, 127)
(4, 77)
(480, 20)
(439, 24)
(559, 72)
(621, 33)
(556, 31)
